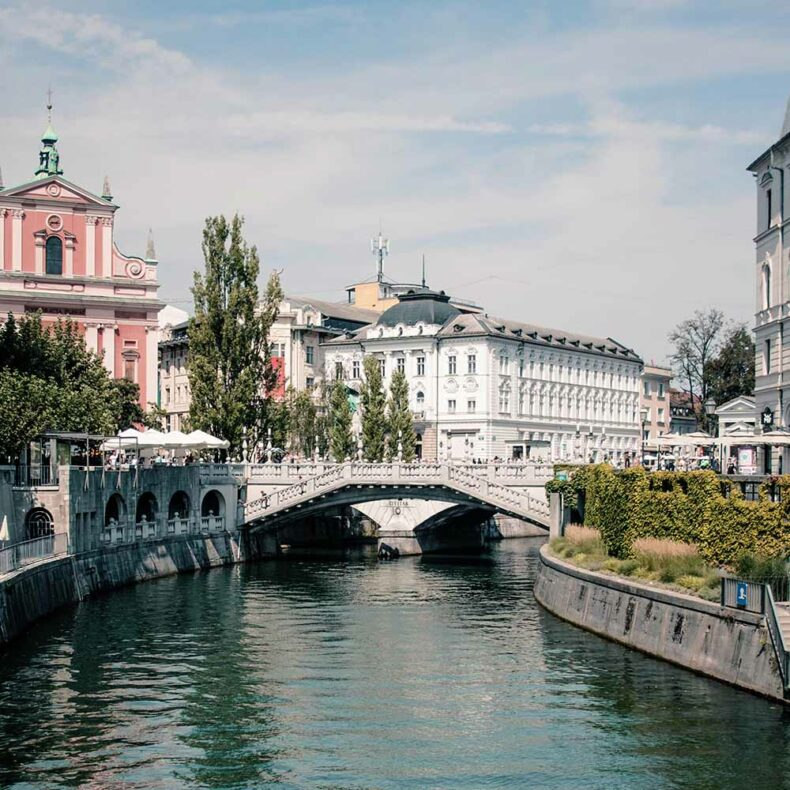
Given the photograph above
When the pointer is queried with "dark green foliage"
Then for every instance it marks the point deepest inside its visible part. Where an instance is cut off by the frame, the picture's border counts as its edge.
(49, 381)
(341, 440)
(372, 401)
(231, 375)
(400, 423)
(732, 371)
(684, 506)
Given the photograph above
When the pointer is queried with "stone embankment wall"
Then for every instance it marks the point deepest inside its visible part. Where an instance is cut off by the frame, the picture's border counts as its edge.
(725, 644)
(37, 590)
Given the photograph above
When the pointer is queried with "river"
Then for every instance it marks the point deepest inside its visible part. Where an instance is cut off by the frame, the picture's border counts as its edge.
(416, 673)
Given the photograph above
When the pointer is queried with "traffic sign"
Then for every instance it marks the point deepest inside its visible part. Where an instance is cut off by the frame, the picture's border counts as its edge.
(741, 593)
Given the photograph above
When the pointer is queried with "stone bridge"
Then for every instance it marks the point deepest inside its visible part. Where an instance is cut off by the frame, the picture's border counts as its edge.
(470, 491)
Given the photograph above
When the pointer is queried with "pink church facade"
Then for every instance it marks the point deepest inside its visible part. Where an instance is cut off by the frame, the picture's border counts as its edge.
(58, 255)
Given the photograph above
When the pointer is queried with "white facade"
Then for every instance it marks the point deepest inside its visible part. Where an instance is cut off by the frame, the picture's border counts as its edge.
(772, 289)
(482, 387)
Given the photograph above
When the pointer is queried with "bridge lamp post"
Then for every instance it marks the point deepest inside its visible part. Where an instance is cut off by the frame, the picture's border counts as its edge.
(643, 414)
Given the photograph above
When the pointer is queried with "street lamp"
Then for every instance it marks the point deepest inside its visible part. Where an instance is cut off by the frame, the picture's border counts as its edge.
(643, 414)
(710, 410)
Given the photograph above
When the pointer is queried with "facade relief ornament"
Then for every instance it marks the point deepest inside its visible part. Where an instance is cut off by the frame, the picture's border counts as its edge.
(135, 269)
(18, 213)
(451, 385)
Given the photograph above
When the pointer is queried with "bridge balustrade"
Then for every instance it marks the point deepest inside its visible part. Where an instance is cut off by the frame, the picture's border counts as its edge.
(212, 524)
(178, 526)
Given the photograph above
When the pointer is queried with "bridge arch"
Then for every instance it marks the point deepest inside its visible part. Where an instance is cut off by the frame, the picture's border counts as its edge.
(213, 504)
(179, 505)
(147, 508)
(114, 510)
(39, 523)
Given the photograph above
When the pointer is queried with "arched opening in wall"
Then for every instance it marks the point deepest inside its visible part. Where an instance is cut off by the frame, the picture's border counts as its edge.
(115, 511)
(39, 523)
(213, 504)
(179, 506)
(54, 255)
(418, 446)
(146, 508)
(766, 285)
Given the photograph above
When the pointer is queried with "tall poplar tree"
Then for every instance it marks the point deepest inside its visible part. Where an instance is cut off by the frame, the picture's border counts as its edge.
(372, 401)
(341, 439)
(230, 370)
(400, 423)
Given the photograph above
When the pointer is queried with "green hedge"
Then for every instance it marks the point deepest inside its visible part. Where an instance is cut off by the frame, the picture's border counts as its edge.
(685, 506)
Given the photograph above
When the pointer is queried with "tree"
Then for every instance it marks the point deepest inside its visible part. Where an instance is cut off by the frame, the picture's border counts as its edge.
(230, 370)
(731, 373)
(697, 341)
(400, 423)
(50, 381)
(372, 401)
(301, 421)
(341, 440)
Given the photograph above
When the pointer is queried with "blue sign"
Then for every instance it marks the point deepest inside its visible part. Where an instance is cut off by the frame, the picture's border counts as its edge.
(741, 593)
(562, 475)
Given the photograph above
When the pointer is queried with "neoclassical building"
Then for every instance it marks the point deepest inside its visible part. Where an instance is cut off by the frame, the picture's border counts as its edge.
(483, 387)
(58, 255)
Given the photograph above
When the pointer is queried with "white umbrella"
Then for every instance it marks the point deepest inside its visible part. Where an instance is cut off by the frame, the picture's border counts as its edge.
(129, 433)
(151, 438)
(4, 534)
(205, 441)
(173, 439)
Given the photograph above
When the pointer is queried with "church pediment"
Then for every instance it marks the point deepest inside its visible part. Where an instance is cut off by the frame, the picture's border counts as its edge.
(56, 189)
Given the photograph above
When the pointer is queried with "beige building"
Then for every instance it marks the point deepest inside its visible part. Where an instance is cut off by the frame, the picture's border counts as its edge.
(654, 404)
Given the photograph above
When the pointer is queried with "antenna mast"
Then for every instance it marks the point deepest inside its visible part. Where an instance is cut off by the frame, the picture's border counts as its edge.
(380, 247)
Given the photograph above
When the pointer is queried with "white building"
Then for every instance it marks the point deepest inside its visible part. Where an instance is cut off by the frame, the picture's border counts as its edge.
(772, 291)
(482, 387)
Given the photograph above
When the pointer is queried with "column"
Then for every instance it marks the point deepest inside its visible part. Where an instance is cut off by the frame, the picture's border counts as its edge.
(109, 348)
(92, 337)
(90, 246)
(106, 246)
(149, 393)
(68, 261)
(3, 213)
(16, 239)
(40, 240)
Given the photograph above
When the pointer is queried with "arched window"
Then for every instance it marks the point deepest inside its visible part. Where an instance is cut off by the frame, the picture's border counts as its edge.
(39, 524)
(54, 255)
(766, 286)
(420, 399)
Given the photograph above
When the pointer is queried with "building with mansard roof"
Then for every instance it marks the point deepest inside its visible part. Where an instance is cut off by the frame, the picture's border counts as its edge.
(482, 387)
(58, 256)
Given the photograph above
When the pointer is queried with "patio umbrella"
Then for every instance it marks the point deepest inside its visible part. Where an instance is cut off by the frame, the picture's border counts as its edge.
(176, 439)
(205, 441)
(151, 438)
(4, 534)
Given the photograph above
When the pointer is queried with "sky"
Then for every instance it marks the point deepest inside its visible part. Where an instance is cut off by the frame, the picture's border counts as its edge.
(578, 165)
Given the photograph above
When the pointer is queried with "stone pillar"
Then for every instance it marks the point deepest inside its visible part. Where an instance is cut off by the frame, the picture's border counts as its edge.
(68, 261)
(90, 246)
(40, 241)
(556, 516)
(91, 337)
(16, 239)
(106, 246)
(149, 393)
(108, 345)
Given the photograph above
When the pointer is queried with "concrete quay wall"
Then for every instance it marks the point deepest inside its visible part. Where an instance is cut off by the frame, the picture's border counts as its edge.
(725, 644)
(36, 590)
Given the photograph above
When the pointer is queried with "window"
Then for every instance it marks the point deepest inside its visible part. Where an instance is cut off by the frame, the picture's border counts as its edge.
(420, 400)
(54, 250)
(382, 368)
(130, 369)
(420, 366)
(167, 394)
(504, 364)
(766, 286)
(646, 386)
(661, 415)
(401, 363)
(451, 364)
(769, 207)
(338, 371)
(451, 406)
(504, 400)
(310, 354)
(768, 355)
(278, 349)
(521, 368)
(309, 381)
(355, 369)
(471, 363)
(471, 406)
(661, 391)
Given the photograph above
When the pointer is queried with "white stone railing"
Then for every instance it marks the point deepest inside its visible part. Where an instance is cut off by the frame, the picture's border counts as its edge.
(464, 479)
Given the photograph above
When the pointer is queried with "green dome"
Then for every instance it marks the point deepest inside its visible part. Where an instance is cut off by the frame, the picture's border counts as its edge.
(419, 307)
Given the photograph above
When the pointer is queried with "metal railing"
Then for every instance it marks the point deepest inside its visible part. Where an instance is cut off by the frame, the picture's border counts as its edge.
(27, 551)
(758, 597)
(34, 475)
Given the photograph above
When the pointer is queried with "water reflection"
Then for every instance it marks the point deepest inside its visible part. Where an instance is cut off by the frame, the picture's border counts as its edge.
(416, 673)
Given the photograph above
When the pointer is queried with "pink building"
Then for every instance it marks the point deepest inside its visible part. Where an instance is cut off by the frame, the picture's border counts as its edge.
(57, 255)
